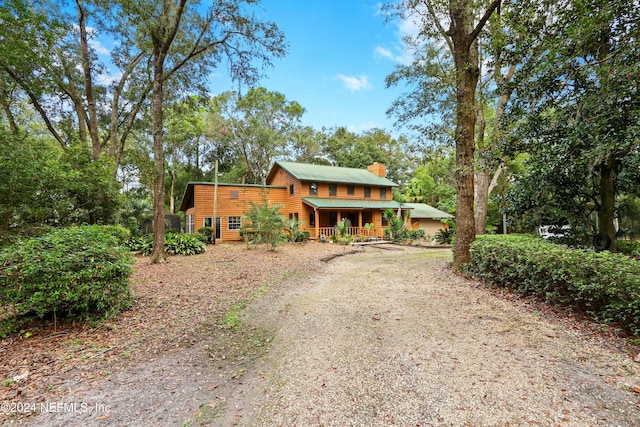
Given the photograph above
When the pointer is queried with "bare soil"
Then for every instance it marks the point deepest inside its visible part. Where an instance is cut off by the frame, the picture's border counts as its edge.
(379, 337)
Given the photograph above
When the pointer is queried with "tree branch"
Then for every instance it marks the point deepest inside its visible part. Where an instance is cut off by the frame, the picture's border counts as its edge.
(37, 106)
(476, 31)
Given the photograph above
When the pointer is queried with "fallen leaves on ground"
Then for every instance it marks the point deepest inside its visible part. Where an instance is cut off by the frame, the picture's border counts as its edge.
(175, 304)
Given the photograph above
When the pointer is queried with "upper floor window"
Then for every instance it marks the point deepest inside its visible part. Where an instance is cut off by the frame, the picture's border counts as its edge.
(233, 194)
(351, 190)
(383, 193)
(333, 190)
(313, 188)
(291, 189)
(367, 191)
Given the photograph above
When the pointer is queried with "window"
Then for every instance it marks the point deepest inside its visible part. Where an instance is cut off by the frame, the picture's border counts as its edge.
(233, 194)
(383, 193)
(351, 190)
(234, 222)
(367, 191)
(207, 221)
(293, 216)
(333, 190)
(385, 221)
(313, 189)
(291, 188)
(189, 224)
(312, 218)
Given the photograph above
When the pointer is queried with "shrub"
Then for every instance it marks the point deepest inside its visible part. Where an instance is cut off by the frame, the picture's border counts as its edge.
(207, 232)
(140, 244)
(415, 234)
(263, 224)
(445, 236)
(396, 230)
(629, 247)
(184, 244)
(605, 285)
(79, 272)
(175, 244)
(294, 233)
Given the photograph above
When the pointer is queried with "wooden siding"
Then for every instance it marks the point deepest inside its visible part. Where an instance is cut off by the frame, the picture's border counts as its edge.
(229, 207)
(301, 189)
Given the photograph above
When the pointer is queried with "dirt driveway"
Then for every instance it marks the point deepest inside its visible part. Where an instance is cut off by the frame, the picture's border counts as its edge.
(392, 338)
(378, 338)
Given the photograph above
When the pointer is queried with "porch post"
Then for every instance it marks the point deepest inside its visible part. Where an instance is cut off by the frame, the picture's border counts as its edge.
(317, 216)
(360, 222)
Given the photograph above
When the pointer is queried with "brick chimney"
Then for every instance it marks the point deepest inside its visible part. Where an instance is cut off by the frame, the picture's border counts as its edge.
(378, 169)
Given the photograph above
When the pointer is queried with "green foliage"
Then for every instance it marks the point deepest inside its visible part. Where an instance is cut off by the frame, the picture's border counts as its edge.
(175, 244)
(629, 247)
(264, 224)
(445, 236)
(396, 230)
(347, 149)
(140, 244)
(184, 244)
(415, 234)
(605, 285)
(207, 232)
(294, 232)
(79, 272)
(44, 186)
(342, 228)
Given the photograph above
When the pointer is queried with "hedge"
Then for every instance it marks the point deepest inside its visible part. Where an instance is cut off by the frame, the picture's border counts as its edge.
(78, 272)
(629, 247)
(602, 284)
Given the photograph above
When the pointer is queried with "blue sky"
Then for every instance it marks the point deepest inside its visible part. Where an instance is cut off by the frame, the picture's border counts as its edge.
(340, 52)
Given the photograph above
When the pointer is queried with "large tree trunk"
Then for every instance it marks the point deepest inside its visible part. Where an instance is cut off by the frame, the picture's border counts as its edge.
(158, 254)
(5, 102)
(88, 84)
(606, 211)
(468, 72)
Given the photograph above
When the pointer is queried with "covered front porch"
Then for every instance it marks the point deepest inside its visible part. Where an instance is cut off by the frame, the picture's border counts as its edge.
(365, 217)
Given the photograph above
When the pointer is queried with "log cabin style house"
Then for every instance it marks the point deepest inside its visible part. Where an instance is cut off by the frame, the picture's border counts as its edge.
(318, 196)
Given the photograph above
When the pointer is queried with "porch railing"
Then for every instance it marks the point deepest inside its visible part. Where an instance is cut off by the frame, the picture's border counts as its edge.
(377, 232)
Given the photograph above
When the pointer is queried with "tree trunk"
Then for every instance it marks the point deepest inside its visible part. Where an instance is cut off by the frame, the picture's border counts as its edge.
(158, 254)
(5, 101)
(606, 210)
(467, 72)
(482, 197)
(86, 67)
(172, 203)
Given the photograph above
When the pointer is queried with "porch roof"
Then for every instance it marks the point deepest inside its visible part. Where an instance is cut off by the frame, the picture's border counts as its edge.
(334, 203)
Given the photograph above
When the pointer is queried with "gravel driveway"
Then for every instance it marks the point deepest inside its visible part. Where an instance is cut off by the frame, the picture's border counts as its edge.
(392, 338)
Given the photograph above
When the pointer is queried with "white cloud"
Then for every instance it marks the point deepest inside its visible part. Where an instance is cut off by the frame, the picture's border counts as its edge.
(400, 55)
(354, 83)
(99, 47)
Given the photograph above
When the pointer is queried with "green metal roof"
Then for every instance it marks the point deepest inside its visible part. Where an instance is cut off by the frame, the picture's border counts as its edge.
(322, 173)
(421, 210)
(352, 204)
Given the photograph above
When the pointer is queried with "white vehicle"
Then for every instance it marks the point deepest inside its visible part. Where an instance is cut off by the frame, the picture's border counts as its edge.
(549, 231)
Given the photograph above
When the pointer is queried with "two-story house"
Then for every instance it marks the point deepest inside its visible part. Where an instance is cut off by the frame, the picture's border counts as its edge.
(318, 196)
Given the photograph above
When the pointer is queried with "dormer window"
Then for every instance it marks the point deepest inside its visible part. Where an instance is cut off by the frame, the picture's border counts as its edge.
(313, 189)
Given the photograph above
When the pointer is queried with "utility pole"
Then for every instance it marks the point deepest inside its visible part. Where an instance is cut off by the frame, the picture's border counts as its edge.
(214, 221)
